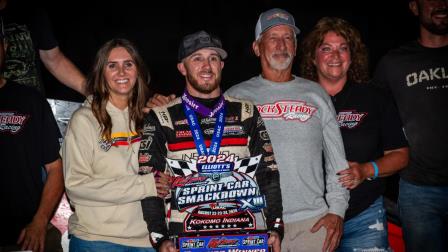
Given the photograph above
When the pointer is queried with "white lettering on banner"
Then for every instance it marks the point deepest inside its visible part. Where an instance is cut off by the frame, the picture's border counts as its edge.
(205, 221)
(211, 167)
(190, 190)
(201, 189)
(238, 184)
(236, 220)
(215, 196)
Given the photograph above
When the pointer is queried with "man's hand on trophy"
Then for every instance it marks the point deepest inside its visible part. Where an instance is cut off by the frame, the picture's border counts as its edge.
(167, 246)
(274, 241)
(163, 184)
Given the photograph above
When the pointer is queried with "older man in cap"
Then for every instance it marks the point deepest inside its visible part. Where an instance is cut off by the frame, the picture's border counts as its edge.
(301, 121)
(203, 127)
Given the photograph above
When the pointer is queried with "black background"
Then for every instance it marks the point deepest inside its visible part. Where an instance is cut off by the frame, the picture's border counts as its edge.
(158, 26)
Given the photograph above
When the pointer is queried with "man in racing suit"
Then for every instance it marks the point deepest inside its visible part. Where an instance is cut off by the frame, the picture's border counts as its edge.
(168, 133)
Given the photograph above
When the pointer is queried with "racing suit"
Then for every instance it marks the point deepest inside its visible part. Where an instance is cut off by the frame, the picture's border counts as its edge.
(166, 133)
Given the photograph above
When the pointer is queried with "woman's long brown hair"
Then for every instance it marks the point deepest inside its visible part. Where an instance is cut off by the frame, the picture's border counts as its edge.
(97, 86)
(359, 68)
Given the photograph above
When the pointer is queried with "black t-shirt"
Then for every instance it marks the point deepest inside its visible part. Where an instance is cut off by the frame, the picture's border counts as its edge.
(27, 29)
(29, 139)
(418, 79)
(370, 125)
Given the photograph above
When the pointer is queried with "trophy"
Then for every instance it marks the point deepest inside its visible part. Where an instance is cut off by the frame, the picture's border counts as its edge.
(220, 196)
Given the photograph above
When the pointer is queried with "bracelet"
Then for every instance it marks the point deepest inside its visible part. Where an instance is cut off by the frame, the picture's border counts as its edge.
(376, 170)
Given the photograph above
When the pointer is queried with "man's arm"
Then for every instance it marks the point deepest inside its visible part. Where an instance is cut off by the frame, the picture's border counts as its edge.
(153, 148)
(336, 196)
(333, 149)
(268, 178)
(33, 235)
(63, 69)
(158, 100)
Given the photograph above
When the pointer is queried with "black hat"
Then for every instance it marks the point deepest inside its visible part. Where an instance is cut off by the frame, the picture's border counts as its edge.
(199, 40)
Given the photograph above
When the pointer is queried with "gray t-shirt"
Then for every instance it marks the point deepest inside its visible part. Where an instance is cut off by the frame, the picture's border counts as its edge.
(300, 120)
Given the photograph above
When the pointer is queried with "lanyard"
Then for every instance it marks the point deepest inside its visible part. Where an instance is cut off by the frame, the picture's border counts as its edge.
(191, 106)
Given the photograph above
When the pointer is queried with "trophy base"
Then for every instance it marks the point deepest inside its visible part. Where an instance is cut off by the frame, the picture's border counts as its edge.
(255, 241)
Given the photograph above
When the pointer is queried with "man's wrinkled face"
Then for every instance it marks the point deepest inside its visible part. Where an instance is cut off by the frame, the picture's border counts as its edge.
(277, 47)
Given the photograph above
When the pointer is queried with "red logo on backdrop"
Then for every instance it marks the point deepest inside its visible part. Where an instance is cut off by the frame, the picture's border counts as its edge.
(182, 181)
(222, 242)
(287, 110)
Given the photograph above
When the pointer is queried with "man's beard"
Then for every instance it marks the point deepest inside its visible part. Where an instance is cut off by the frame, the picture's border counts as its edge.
(204, 88)
(280, 65)
(438, 29)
